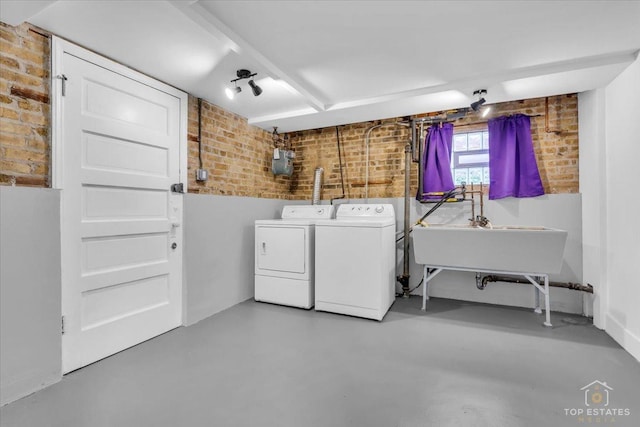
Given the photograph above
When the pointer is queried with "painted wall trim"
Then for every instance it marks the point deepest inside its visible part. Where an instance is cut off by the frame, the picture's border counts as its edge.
(623, 336)
(593, 175)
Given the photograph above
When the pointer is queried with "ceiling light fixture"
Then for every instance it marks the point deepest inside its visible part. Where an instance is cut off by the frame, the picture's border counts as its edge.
(257, 90)
(231, 92)
(478, 105)
(243, 74)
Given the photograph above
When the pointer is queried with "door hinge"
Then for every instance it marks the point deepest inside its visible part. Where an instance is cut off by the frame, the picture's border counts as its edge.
(177, 188)
(62, 325)
(64, 83)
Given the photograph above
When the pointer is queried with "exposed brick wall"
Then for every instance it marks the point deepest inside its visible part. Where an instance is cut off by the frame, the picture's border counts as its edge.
(238, 156)
(556, 151)
(24, 107)
(318, 148)
(556, 148)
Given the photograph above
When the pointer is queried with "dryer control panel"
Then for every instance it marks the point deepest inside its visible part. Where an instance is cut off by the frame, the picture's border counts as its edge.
(364, 211)
(307, 212)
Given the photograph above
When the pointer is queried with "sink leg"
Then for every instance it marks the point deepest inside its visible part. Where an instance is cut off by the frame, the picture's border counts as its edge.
(536, 291)
(546, 301)
(425, 289)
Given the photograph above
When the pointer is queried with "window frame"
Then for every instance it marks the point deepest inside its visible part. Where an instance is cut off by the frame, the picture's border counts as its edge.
(456, 155)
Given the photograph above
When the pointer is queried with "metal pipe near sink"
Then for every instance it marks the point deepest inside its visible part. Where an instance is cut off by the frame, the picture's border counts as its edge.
(482, 284)
(404, 278)
(408, 151)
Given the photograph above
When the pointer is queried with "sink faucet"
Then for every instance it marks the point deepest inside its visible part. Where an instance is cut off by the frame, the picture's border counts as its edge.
(477, 220)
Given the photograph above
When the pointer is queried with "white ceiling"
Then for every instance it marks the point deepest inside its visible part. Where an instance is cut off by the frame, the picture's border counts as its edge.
(323, 63)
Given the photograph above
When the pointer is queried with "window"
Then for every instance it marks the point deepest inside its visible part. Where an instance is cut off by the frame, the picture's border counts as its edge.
(470, 159)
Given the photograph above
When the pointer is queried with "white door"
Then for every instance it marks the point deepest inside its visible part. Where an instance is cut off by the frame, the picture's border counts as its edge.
(119, 149)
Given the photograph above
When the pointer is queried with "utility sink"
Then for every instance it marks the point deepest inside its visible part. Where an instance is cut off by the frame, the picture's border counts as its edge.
(505, 248)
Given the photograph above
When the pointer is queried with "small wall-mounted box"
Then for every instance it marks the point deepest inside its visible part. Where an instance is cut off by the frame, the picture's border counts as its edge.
(282, 162)
(201, 175)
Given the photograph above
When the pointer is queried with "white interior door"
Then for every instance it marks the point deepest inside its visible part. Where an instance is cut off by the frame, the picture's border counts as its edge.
(119, 149)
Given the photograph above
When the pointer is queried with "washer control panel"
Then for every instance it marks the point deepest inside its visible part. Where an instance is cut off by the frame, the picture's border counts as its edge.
(372, 211)
(307, 212)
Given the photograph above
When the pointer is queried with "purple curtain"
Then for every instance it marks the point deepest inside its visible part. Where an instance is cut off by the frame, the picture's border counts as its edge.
(512, 162)
(437, 160)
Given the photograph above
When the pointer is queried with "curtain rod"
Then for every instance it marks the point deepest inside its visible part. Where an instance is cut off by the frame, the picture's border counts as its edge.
(440, 121)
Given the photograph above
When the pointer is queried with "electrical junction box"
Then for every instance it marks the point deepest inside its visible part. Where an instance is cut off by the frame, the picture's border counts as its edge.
(201, 175)
(282, 162)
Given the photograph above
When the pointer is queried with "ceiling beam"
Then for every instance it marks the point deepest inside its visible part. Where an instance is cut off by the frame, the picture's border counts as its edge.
(627, 56)
(201, 16)
(456, 94)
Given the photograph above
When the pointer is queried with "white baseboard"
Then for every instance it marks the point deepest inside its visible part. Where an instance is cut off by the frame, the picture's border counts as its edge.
(623, 336)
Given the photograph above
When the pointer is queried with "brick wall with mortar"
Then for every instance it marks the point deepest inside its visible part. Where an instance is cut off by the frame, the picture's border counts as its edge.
(237, 155)
(556, 148)
(24, 107)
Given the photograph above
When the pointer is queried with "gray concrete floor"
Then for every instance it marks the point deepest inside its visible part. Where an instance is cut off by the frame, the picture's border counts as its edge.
(458, 364)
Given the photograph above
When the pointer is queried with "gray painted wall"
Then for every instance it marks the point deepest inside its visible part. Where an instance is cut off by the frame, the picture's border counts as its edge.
(219, 250)
(622, 103)
(30, 341)
(218, 267)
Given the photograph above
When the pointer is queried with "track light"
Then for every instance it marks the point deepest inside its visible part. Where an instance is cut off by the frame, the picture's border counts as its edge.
(478, 105)
(257, 90)
(231, 92)
(243, 74)
(475, 106)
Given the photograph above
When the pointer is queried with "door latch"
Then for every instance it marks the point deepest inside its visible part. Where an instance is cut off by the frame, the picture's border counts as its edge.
(64, 83)
(177, 188)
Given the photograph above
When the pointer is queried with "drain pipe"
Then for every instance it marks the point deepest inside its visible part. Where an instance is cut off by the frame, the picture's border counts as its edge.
(481, 284)
(404, 279)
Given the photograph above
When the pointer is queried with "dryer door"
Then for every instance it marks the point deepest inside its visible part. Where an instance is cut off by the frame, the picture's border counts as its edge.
(282, 250)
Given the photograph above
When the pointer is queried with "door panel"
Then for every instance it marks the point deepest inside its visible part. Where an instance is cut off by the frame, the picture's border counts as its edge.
(122, 277)
(105, 305)
(116, 155)
(101, 202)
(124, 105)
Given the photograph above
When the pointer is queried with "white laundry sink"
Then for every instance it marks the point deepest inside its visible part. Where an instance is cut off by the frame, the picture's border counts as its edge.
(518, 249)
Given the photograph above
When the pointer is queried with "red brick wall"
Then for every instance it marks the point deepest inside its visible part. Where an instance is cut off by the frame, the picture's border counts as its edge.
(24, 107)
(556, 151)
(238, 156)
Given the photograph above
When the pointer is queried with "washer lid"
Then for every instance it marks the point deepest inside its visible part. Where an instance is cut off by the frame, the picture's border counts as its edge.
(307, 212)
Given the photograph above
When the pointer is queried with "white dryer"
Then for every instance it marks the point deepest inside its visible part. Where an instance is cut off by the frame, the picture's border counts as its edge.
(355, 261)
(284, 255)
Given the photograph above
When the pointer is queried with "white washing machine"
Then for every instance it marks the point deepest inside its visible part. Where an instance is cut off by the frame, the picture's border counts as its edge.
(284, 255)
(355, 261)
